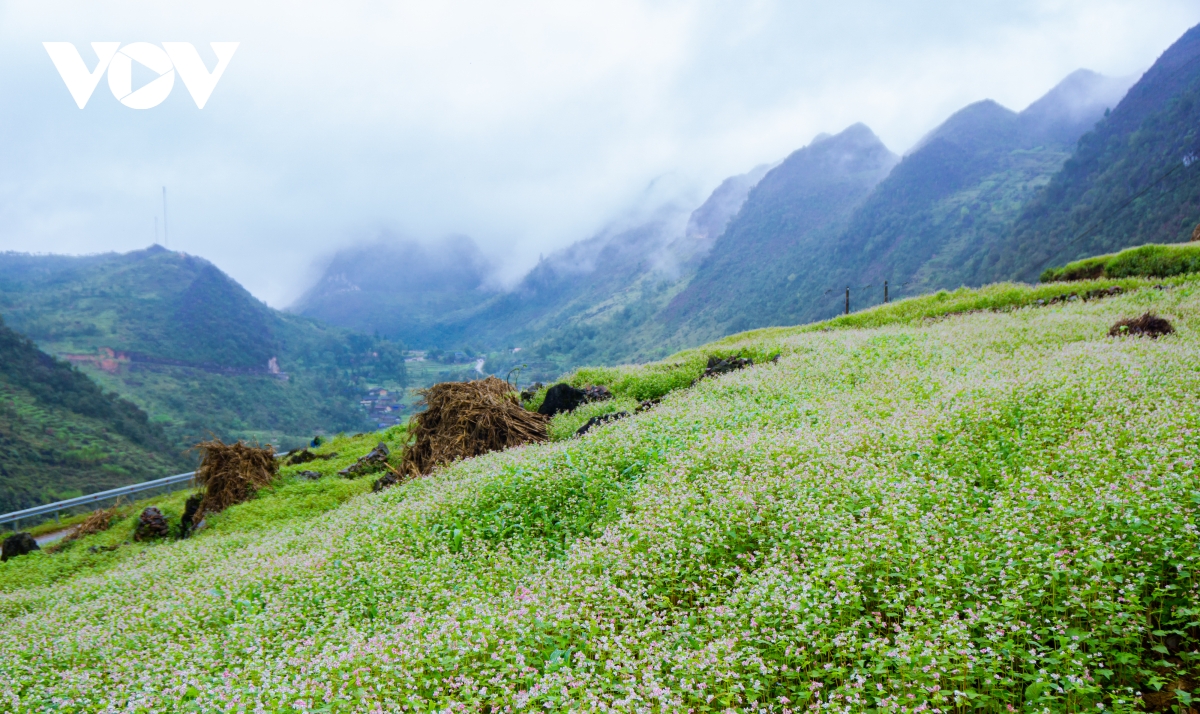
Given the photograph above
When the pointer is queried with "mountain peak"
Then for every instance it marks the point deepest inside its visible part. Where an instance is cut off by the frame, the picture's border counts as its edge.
(1073, 106)
(980, 125)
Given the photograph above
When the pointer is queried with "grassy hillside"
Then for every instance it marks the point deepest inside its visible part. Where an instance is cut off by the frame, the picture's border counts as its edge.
(1157, 261)
(191, 347)
(1126, 184)
(910, 510)
(61, 436)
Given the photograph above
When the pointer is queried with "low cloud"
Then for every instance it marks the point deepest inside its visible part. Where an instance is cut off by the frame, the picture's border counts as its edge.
(524, 125)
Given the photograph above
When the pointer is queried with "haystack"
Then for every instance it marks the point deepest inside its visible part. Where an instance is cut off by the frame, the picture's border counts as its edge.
(465, 419)
(97, 521)
(231, 474)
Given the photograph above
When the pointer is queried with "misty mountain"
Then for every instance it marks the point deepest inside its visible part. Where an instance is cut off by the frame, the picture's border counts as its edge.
(844, 212)
(751, 276)
(779, 245)
(625, 273)
(403, 290)
(62, 436)
(191, 347)
(1126, 183)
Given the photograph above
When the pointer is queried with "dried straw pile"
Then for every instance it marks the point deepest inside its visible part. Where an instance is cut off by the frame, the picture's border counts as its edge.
(465, 419)
(97, 521)
(231, 473)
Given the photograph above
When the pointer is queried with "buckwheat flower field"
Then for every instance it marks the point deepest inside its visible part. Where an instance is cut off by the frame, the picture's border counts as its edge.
(993, 511)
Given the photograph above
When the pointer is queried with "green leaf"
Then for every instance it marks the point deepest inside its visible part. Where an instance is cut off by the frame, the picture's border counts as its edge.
(1034, 691)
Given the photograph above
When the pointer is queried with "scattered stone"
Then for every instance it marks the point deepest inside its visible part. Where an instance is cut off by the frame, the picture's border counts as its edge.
(103, 548)
(191, 509)
(303, 456)
(561, 397)
(310, 475)
(387, 480)
(151, 524)
(1148, 325)
(598, 420)
(17, 544)
(1096, 294)
(593, 393)
(718, 366)
(372, 462)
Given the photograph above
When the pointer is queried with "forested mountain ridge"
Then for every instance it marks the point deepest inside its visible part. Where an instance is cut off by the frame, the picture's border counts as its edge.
(62, 436)
(1141, 152)
(194, 349)
(956, 194)
(798, 206)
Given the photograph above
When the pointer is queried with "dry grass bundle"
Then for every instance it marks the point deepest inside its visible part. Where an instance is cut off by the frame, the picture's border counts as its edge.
(97, 521)
(232, 473)
(465, 419)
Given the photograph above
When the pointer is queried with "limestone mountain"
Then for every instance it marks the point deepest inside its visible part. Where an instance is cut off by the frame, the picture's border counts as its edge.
(1132, 180)
(751, 276)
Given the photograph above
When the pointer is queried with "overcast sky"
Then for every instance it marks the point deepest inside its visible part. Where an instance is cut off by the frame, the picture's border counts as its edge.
(525, 125)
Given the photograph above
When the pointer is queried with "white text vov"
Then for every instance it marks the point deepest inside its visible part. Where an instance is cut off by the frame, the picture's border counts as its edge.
(118, 60)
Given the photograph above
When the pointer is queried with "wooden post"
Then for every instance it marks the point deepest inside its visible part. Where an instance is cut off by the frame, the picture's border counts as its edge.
(847, 300)
(885, 291)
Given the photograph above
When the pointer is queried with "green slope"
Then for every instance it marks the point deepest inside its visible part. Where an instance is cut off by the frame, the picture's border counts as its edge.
(1135, 154)
(193, 348)
(994, 510)
(61, 436)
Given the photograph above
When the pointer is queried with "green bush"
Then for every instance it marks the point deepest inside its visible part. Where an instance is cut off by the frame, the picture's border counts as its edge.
(1146, 261)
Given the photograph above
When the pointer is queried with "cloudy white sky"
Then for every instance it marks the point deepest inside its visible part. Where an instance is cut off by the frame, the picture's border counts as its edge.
(525, 125)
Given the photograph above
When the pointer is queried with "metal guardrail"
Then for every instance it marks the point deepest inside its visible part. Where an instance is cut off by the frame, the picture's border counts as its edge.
(132, 488)
(94, 497)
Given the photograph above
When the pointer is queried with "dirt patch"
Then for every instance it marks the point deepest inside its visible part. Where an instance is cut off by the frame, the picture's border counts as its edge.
(231, 474)
(303, 456)
(465, 419)
(151, 525)
(311, 475)
(17, 544)
(1148, 325)
(598, 420)
(375, 460)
